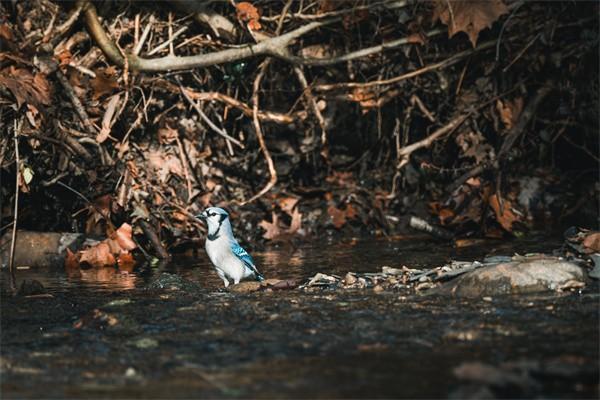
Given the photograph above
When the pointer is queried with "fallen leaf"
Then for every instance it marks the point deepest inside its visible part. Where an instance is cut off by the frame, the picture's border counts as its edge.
(26, 87)
(271, 228)
(505, 217)
(71, 261)
(287, 204)
(592, 242)
(103, 254)
(338, 217)
(296, 223)
(416, 38)
(167, 135)
(126, 262)
(123, 236)
(6, 32)
(510, 111)
(469, 16)
(64, 58)
(105, 82)
(248, 13)
(98, 256)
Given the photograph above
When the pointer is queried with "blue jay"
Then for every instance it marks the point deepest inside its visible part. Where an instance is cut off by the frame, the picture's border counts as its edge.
(229, 258)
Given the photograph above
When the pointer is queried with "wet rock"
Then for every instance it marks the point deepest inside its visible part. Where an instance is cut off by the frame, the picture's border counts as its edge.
(245, 287)
(117, 303)
(350, 279)
(266, 285)
(284, 284)
(144, 343)
(173, 282)
(595, 273)
(31, 287)
(39, 249)
(378, 289)
(520, 276)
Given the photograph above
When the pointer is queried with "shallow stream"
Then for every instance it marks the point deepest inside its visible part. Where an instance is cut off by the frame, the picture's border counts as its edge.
(106, 334)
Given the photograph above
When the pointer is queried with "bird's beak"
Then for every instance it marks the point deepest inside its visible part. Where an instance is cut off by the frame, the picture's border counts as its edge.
(201, 217)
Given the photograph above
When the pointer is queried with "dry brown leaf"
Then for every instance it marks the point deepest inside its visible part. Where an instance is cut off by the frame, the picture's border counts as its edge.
(296, 223)
(469, 16)
(105, 82)
(126, 262)
(510, 111)
(507, 217)
(416, 38)
(271, 228)
(164, 164)
(98, 255)
(248, 13)
(287, 204)
(592, 242)
(64, 58)
(26, 88)
(345, 179)
(71, 261)
(350, 211)
(123, 236)
(104, 253)
(328, 5)
(338, 217)
(6, 32)
(167, 135)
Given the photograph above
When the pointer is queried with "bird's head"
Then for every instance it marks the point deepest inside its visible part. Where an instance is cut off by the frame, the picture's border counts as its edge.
(216, 219)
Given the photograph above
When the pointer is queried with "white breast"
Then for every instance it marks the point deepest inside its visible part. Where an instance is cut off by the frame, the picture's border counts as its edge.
(219, 252)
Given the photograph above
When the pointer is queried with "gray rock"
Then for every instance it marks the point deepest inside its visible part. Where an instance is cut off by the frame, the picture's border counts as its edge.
(173, 282)
(536, 274)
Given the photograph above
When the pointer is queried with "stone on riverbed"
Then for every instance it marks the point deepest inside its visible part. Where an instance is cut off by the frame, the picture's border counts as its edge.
(173, 282)
(521, 276)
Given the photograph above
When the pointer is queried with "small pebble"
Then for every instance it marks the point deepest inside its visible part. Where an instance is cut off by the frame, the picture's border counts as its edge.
(349, 279)
(378, 289)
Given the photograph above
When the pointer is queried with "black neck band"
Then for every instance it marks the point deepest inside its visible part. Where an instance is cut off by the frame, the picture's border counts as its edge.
(215, 235)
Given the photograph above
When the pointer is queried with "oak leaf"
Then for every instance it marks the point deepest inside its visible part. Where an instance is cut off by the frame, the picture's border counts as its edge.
(469, 16)
(271, 228)
(26, 87)
(287, 204)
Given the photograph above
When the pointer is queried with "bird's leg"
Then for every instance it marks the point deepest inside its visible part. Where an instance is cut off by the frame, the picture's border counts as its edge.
(222, 276)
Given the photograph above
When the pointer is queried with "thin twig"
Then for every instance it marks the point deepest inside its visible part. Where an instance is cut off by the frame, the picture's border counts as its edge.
(207, 120)
(140, 44)
(261, 139)
(79, 109)
(311, 101)
(442, 64)
(169, 42)
(185, 168)
(11, 259)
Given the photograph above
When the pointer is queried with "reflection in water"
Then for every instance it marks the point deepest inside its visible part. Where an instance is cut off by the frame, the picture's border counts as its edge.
(289, 262)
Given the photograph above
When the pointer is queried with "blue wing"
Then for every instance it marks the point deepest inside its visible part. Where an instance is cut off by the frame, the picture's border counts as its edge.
(246, 258)
(242, 254)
